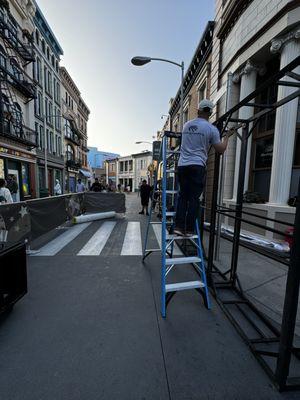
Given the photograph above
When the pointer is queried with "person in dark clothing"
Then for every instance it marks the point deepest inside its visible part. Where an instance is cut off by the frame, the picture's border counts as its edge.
(145, 191)
(96, 186)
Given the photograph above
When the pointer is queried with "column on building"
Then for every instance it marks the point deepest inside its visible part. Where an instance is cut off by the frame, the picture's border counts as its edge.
(285, 126)
(247, 77)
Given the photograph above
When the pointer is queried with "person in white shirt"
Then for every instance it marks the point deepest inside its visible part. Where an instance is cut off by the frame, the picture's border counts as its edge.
(197, 137)
(80, 186)
(57, 188)
(5, 195)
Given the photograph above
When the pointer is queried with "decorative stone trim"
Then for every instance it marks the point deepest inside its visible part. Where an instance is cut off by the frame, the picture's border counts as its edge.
(277, 44)
(247, 69)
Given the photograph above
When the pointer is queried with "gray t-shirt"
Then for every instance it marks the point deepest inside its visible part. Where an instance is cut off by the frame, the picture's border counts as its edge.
(197, 136)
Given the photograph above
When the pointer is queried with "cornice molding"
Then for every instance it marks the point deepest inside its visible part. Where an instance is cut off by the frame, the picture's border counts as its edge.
(278, 43)
(247, 69)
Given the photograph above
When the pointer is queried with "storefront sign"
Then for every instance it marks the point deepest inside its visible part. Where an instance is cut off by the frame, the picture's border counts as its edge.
(156, 150)
(11, 152)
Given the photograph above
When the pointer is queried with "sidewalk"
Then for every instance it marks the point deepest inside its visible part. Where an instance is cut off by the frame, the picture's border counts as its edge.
(263, 280)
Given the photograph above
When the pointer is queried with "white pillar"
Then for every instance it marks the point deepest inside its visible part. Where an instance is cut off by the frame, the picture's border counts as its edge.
(285, 126)
(248, 84)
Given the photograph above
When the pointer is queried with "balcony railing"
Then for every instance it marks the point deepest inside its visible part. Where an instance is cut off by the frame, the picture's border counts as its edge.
(12, 33)
(19, 133)
(74, 163)
(73, 138)
(19, 79)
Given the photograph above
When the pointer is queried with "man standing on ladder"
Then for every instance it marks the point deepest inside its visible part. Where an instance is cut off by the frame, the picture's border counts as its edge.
(197, 137)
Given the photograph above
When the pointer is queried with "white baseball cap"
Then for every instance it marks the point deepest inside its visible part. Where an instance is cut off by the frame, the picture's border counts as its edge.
(205, 104)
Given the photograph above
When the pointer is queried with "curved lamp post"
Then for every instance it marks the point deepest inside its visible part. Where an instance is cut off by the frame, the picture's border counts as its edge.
(141, 60)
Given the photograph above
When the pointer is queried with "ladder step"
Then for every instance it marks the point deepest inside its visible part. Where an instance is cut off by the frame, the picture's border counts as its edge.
(173, 152)
(171, 191)
(170, 171)
(170, 213)
(176, 237)
(175, 287)
(182, 260)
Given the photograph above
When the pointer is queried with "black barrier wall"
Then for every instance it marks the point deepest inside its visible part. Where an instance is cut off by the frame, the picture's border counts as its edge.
(33, 218)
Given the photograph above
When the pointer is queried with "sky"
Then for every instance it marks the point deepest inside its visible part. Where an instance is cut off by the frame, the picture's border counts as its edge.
(99, 38)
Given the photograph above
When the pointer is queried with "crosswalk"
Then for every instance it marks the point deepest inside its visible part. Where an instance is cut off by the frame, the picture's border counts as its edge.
(108, 237)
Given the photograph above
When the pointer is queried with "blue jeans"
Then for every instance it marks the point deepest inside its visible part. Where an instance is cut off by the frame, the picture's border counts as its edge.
(191, 182)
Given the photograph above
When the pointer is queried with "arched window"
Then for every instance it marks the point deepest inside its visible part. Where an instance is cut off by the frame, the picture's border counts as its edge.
(37, 37)
(70, 153)
(2, 57)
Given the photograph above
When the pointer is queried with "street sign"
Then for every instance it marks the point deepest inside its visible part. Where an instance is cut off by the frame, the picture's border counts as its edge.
(156, 150)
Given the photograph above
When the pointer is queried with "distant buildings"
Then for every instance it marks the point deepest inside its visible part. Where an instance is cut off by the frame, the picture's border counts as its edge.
(43, 118)
(47, 106)
(96, 157)
(75, 116)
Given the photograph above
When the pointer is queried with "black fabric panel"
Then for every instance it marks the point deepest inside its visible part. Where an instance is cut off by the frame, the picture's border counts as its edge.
(101, 202)
(46, 214)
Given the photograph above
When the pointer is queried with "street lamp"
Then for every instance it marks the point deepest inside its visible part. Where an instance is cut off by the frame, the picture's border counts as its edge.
(142, 142)
(141, 60)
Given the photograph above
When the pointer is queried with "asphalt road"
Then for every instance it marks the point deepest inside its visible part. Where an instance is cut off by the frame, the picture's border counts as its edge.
(90, 327)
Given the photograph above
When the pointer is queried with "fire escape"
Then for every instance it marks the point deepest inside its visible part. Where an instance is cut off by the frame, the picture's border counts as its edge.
(16, 52)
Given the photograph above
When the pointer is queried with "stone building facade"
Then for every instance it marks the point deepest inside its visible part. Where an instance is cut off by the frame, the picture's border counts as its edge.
(75, 117)
(196, 82)
(18, 138)
(47, 107)
(253, 39)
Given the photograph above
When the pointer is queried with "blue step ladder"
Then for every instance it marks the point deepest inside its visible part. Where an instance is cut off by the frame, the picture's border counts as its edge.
(169, 194)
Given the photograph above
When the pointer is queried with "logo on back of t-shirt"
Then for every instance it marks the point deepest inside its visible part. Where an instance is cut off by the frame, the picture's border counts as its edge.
(193, 128)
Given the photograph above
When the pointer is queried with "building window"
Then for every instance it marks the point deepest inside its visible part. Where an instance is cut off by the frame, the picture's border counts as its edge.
(49, 83)
(18, 116)
(202, 92)
(37, 37)
(45, 79)
(43, 46)
(263, 137)
(2, 57)
(48, 53)
(16, 70)
(185, 116)
(38, 70)
(52, 60)
(46, 108)
(56, 65)
(59, 149)
(41, 138)
(70, 153)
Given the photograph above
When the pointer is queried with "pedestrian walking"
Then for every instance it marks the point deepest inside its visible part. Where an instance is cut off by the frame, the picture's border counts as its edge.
(5, 195)
(197, 137)
(96, 186)
(57, 188)
(12, 186)
(80, 186)
(145, 195)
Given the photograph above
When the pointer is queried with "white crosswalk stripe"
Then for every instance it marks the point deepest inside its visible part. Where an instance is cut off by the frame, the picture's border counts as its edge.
(132, 245)
(57, 244)
(97, 242)
(157, 232)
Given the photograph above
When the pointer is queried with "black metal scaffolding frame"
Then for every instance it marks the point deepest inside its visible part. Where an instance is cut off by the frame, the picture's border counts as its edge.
(273, 347)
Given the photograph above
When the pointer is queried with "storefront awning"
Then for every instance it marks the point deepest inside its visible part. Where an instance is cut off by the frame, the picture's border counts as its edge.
(87, 174)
